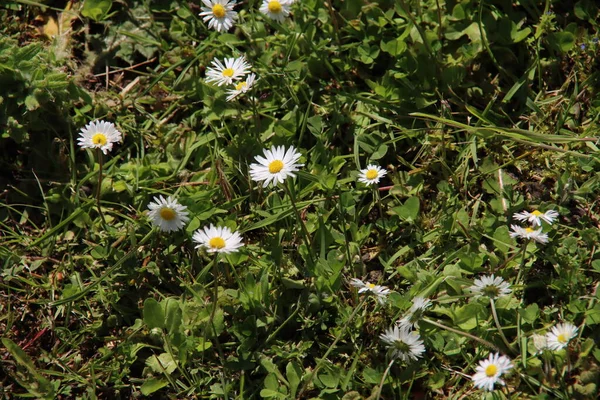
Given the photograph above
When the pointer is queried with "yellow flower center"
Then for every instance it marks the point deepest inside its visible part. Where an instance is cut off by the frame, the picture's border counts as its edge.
(371, 174)
(370, 285)
(240, 86)
(218, 11)
(275, 166)
(528, 230)
(99, 139)
(216, 243)
(167, 213)
(562, 338)
(274, 6)
(537, 213)
(228, 72)
(491, 370)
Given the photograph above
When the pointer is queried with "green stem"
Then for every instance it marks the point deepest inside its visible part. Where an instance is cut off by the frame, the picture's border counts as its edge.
(212, 323)
(477, 339)
(300, 221)
(518, 280)
(497, 321)
(99, 191)
(385, 374)
(330, 349)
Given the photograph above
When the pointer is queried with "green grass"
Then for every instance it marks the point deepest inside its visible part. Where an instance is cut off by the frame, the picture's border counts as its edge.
(477, 111)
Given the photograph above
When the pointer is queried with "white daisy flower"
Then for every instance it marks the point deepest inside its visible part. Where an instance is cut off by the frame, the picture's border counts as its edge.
(241, 87)
(403, 344)
(419, 305)
(490, 286)
(218, 239)
(540, 342)
(536, 217)
(167, 214)
(380, 292)
(560, 335)
(371, 174)
(234, 69)
(99, 135)
(276, 165)
(489, 371)
(219, 14)
(276, 9)
(528, 233)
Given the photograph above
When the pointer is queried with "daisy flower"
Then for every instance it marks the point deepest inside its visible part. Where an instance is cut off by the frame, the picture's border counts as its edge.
(217, 239)
(559, 337)
(540, 342)
(403, 344)
(490, 286)
(219, 14)
(167, 214)
(276, 165)
(99, 135)
(224, 74)
(276, 9)
(528, 233)
(380, 292)
(536, 217)
(489, 371)
(371, 174)
(419, 305)
(241, 87)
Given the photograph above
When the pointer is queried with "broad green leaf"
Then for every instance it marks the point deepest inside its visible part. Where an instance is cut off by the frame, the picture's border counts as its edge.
(96, 9)
(154, 315)
(293, 373)
(173, 315)
(530, 313)
(152, 385)
(562, 41)
(164, 363)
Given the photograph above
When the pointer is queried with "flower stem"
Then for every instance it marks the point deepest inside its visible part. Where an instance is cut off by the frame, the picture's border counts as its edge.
(99, 191)
(300, 221)
(518, 281)
(477, 339)
(385, 374)
(212, 322)
(497, 321)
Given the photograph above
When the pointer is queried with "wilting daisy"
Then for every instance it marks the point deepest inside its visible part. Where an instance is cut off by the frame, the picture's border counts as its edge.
(167, 214)
(217, 239)
(490, 286)
(241, 87)
(99, 135)
(540, 342)
(371, 174)
(403, 344)
(380, 292)
(219, 14)
(276, 9)
(560, 335)
(489, 371)
(276, 165)
(419, 305)
(528, 233)
(536, 217)
(224, 74)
